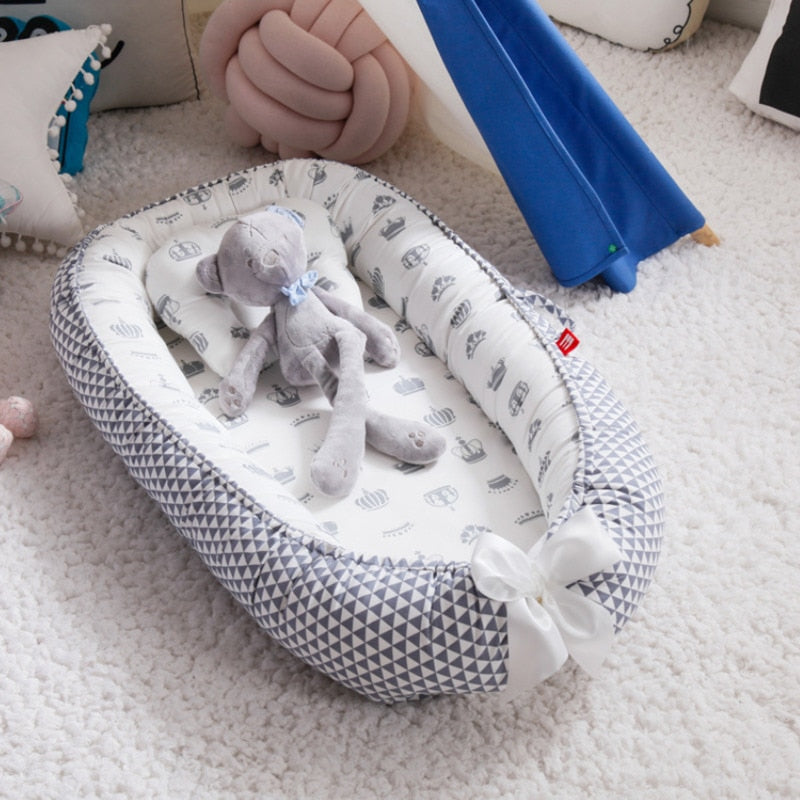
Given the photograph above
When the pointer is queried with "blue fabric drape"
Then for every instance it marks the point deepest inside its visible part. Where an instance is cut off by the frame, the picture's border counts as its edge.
(594, 196)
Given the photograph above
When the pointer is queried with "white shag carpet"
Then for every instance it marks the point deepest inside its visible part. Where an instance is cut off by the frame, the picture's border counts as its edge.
(126, 671)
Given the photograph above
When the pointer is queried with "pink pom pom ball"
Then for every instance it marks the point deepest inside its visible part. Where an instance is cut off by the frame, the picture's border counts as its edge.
(18, 417)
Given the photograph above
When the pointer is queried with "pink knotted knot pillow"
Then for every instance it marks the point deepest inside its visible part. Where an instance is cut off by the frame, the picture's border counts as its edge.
(306, 77)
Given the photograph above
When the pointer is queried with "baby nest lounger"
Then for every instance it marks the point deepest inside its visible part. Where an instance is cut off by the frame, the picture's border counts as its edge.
(533, 538)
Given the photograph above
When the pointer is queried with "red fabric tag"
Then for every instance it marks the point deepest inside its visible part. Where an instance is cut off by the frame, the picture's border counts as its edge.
(567, 342)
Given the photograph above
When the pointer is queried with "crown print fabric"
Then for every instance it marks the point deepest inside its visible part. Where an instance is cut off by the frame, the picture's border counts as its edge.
(479, 486)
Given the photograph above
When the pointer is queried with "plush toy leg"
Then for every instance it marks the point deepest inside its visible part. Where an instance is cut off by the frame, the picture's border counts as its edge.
(238, 387)
(405, 439)
(334, 468)
(382, 345)
(410, 441)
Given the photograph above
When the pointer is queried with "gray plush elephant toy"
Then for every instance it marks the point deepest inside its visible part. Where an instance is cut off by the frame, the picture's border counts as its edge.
(317, 338)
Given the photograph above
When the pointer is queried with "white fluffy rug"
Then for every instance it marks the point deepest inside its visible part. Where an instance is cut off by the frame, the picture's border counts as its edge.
(126, 671)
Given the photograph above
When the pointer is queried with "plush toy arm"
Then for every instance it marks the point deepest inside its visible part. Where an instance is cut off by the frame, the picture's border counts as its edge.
(238, 387)
(382, 345)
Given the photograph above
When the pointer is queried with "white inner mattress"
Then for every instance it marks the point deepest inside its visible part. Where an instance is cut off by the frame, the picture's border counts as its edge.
(397, 510)
(472, 367)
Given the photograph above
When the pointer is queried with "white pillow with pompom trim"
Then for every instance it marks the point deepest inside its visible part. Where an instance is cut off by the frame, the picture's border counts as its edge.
(38, 76)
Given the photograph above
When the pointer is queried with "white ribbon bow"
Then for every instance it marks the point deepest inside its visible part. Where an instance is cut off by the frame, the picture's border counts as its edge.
(546, 621)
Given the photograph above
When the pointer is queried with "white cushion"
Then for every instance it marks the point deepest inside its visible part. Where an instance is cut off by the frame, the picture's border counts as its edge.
(38, 74)
(151, 60)
(768, 81)
(651, 25)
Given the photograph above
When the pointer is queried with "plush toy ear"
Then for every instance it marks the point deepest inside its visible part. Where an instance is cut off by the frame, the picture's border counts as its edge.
(295, 216)
(208, 274)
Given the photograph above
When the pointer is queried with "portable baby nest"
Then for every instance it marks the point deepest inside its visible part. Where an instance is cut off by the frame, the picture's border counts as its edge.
(533, 538)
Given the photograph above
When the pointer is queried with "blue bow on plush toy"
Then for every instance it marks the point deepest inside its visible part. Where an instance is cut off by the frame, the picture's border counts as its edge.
(298, 291)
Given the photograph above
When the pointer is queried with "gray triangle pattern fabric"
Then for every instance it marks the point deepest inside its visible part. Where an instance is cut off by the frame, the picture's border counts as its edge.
(618, 478)
(389, 631)
(622, 486)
